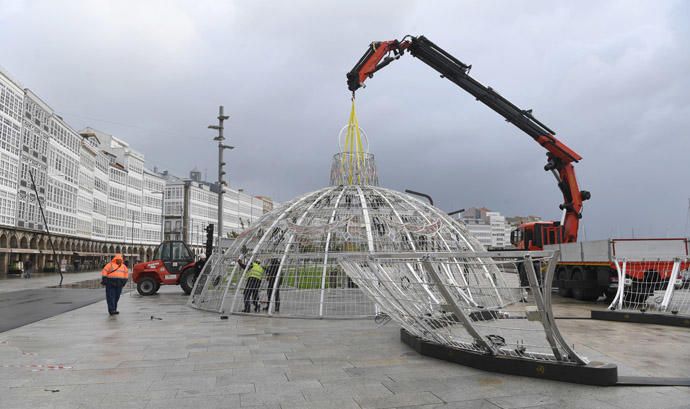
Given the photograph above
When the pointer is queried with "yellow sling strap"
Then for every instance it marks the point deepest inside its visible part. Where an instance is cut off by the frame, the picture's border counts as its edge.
(353, 147)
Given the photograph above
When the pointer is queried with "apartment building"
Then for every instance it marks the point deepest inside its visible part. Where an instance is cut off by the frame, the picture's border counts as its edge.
(489, 227)
(11, 113)
(192, 204)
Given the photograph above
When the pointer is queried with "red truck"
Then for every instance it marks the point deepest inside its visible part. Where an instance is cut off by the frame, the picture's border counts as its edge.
(173, 264)
(587, 269)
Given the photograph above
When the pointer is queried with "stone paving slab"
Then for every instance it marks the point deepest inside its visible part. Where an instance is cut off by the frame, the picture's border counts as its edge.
(192, 359)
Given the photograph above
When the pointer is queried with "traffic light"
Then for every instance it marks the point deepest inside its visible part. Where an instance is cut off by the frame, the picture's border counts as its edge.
(209, 240)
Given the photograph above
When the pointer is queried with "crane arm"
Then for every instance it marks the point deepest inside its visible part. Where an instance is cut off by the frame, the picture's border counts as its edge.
(560, 156)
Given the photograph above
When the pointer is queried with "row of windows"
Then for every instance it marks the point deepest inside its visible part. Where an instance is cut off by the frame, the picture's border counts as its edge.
(7, 208)
(174, 192)
(116, 232)
(84, 227)
(152, 201)
(87, 160)
(9, 136)
(100, 185)
(65, 166)
(134, 183)
(98, 228)
(118, 176)
(65, 136)
(152, 236)
(203, 211)
(133, 216)
(8, 171)
(116, 212)
(102, 163)
(61, 223)
(10, 102)
(152, 218)
(116, 194)
(61, 196)
(100, 207)
(85, 205)
(34, 111)
(34, 138)
(134, 198)
(153, 184)
(86, 181)
(135, 165)
(204, 196)
(173, 208)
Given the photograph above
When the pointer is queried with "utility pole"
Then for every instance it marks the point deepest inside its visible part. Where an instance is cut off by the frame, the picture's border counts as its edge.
(687, 220)
(221, 164)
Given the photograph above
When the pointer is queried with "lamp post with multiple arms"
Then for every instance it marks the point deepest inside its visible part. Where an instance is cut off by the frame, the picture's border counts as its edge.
(221, 172)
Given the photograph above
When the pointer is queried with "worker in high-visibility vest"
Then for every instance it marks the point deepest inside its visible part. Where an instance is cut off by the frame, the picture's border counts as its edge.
(252, 283)
(114, 276)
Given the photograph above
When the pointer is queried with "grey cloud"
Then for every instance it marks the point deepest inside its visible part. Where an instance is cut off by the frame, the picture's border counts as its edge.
(610, 77)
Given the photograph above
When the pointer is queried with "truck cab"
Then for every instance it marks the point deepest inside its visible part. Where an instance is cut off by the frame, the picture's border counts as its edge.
(172, 260)
(534, 236)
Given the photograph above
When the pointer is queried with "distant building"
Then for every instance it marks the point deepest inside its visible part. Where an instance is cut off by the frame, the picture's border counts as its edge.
(518, 220)
(11, 113)
(191, 204)
(490, 228)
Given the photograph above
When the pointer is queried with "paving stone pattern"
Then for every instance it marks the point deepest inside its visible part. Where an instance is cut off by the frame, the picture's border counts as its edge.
(193, 359)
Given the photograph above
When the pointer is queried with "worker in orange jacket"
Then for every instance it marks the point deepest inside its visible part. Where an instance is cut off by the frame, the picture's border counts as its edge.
(114, 276)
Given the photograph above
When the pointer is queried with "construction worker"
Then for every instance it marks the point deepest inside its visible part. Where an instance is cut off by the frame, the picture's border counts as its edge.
(271, 274)
(114, 276)
(251, 287)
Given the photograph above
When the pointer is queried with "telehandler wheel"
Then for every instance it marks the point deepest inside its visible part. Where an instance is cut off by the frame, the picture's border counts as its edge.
(187, 280)
(147, 286)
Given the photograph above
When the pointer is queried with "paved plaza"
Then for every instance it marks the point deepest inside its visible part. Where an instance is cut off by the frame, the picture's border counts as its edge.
(158, 353)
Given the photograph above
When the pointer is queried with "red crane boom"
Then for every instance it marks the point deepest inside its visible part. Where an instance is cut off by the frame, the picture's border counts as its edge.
(560, 157)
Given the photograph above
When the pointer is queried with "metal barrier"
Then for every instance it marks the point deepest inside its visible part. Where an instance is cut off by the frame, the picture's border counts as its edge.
(651, 291)
(471, 302)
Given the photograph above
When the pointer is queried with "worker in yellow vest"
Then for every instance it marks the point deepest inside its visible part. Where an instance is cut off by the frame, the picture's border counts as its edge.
(254, 275)
(114, 276)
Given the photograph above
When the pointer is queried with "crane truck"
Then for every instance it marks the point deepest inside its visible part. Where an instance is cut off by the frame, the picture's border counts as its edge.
(582, 274)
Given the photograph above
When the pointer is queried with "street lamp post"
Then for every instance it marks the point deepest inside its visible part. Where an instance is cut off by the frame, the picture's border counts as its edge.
(221, 164)
(239, 221)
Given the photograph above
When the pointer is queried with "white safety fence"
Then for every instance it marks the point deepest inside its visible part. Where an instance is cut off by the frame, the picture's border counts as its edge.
(660, 286)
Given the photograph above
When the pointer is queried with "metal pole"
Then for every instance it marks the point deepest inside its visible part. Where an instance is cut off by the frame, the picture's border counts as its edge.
(45, 223)
(163, 215)
(221, 172)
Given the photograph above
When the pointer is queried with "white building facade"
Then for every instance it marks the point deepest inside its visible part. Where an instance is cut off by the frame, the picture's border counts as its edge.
(489, 227)
(63, 178)
(11, 110)
(191, 205)
(153, 190)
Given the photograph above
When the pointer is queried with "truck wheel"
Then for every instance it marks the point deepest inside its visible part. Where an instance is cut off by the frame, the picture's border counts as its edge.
(563, 274)
(584, 294)
(147, 286)
(187, 281)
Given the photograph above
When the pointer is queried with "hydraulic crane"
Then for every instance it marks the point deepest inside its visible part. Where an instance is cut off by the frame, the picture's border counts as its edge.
(560, 158)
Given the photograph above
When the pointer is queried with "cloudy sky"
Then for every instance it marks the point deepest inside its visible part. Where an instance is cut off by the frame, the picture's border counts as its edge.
(612, 78)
